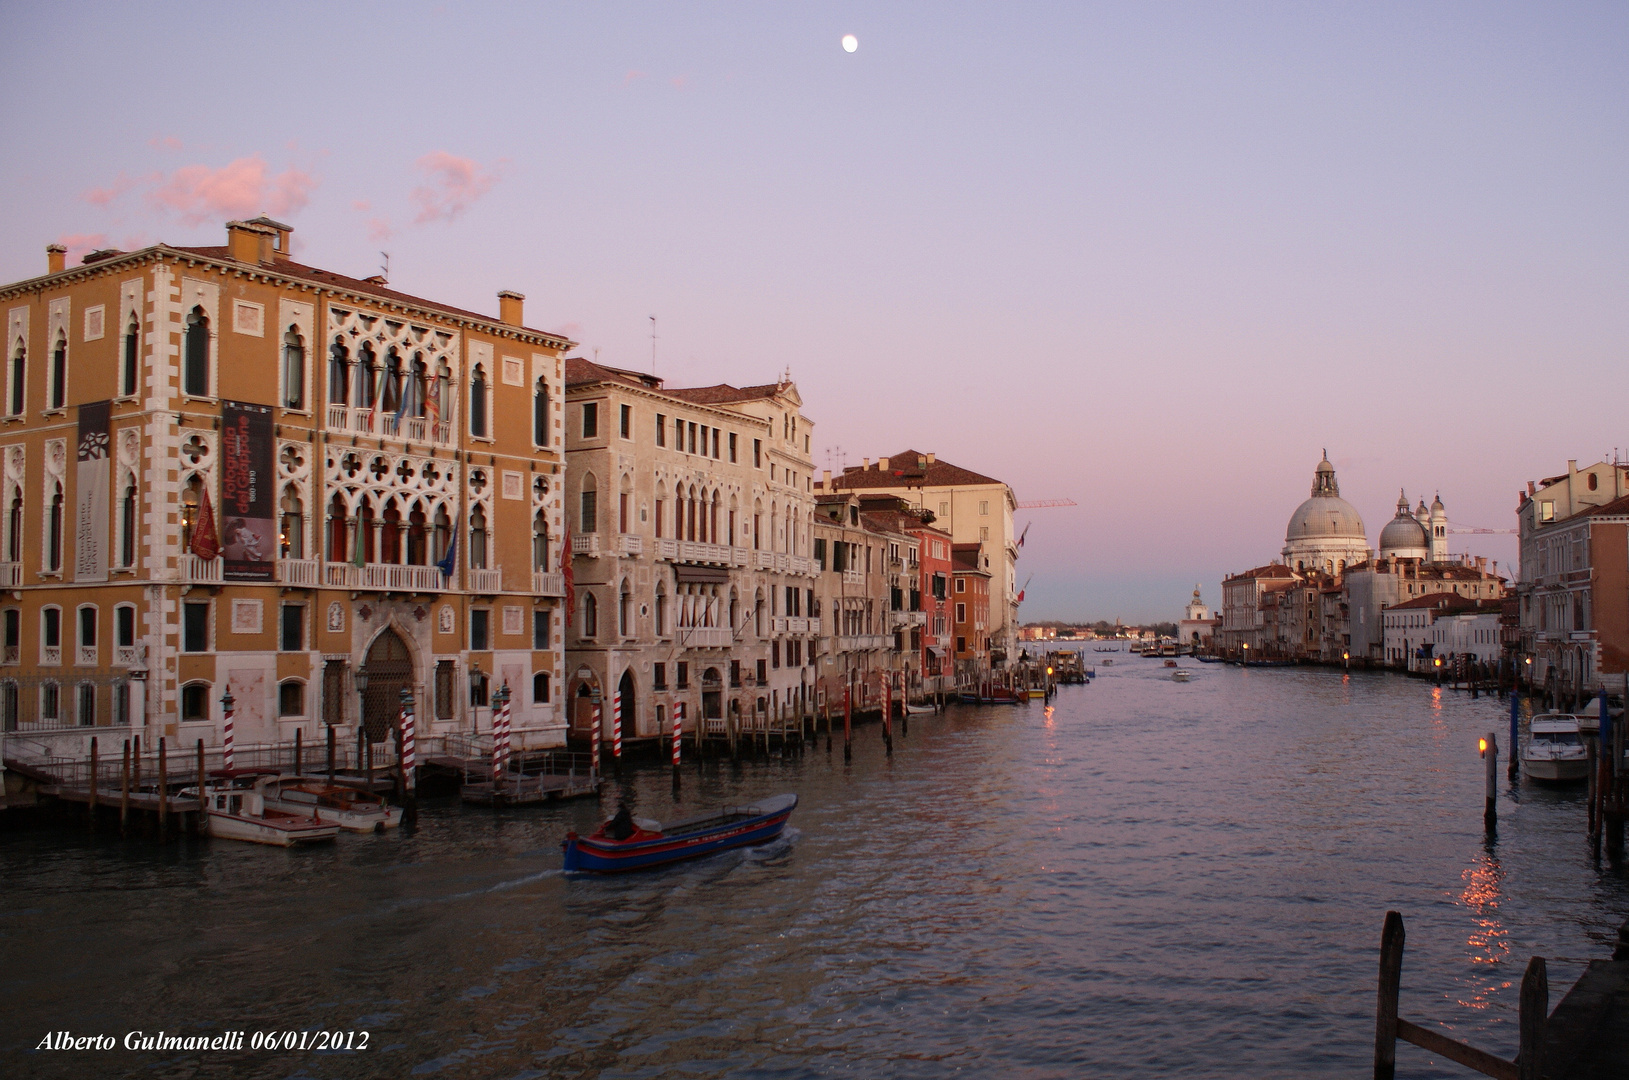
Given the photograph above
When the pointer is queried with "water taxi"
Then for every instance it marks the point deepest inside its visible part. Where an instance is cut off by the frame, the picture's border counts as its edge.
(238, 811)
(1555, 750)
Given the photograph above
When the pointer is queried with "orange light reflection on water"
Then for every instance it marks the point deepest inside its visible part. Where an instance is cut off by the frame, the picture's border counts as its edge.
(1489, 940)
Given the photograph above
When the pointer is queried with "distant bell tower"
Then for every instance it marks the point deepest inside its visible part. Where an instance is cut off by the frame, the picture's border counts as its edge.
(1439, 530)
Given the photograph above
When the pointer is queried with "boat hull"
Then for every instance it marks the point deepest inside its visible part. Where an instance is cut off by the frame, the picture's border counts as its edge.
(277, 834)
(600, 855)
(1557, 770)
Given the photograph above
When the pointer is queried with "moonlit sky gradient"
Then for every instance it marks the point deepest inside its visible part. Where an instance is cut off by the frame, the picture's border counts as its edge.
(1152, 258)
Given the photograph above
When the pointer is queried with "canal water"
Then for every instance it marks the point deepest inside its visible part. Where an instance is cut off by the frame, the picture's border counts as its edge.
(1153, 879)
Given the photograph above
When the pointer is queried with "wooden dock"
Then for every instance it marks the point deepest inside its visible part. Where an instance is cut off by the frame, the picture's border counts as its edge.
(518, 790)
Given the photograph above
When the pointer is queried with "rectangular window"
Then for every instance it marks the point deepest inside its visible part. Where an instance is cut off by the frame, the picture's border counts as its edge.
(124, 627)
(625, 421)
(291, 699)
(716, 434)
(590, 514)
(540, 688)
(51, 628)
(622, 512)
(445, 680)
(540, 628)
(1546, 510)
(194, 627)
(732, 447)
(87, 627)
(961, 585)
(692, 438)
(984, 533)
(291, 636)
(591, 420)
(961, 644)
(735, 673)
(479, 623)
(984, 509)
(763, 671)
(757, 453)
(774, 654)
(334, 691)
(961, 613)
(658, 678)
(682, 674)
(820, 552)
(661, 429)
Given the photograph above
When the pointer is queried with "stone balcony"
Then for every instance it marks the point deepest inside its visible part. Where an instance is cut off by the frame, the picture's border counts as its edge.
(547, 583)
(358, 421)
(704, 637)
(586, 544)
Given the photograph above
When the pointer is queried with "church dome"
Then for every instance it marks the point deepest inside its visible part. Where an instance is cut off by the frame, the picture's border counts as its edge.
(1326, 515)
(1404, 536)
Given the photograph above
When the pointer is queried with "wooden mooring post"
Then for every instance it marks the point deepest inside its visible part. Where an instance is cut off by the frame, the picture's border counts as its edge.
(331, 748)
(298, 761)
(90, 803)
(1390, 1027)
(200, 824)
(848, 724)
(124, 791)
(163, 788)
(1490, 804)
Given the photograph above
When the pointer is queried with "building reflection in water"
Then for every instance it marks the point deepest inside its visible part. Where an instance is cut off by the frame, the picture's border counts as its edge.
(1488, 946)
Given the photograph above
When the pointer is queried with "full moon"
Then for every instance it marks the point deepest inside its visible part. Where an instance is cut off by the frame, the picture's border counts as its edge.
(850, 43)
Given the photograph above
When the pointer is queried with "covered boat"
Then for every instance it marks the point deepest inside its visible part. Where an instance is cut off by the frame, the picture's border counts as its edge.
(1555, 749)
(239, 812)
(628, 843)
(348, 807)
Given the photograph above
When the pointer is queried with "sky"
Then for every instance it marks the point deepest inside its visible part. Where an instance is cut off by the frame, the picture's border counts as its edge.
(1153, 259)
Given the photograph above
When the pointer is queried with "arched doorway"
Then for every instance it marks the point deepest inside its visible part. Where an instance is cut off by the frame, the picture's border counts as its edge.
(389, 667)
(582, 713)
(630, 709)
(712, 695)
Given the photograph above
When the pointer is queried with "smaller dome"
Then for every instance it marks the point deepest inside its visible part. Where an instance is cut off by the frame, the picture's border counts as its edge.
(1404, 536)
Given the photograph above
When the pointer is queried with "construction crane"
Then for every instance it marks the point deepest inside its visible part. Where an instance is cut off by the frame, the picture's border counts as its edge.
(1480, 532)
(1037, 504)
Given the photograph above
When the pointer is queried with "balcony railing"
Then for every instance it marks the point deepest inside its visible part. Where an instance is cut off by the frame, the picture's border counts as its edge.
(545, 583)
(386, 576)
(298, 572)
(358, 420)
(863, 642)
(853, 577)
(129, 655)
(14, 654)
(51, 655)
(195, 570)
(907, 618)
(630, 544)
(802, 566)
(86, 656)
(763, 560)
(11, 574)
(705, 637)
(586, 544)
(696, 552)
(485, 581)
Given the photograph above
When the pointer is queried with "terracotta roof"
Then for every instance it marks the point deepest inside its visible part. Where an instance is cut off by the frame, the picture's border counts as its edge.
(580, 370)
(1616, 506)
(909, 469)
(1271, 570)
(724, 392)
(301, 272)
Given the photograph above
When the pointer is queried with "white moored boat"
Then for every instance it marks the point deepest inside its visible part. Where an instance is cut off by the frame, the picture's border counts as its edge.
(347, 807)
(1181, 675)
(237, 812)
(1555, 750)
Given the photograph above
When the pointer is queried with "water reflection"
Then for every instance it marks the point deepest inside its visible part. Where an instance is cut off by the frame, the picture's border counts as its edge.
(1488, 945)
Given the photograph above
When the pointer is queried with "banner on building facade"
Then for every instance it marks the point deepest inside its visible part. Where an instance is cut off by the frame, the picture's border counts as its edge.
(248, 519)
(91, 483)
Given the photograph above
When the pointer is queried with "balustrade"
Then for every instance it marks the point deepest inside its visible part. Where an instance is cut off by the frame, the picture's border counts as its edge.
(298, 572)
(195, 570)
(485, 581)
(547, 583)
(586, 544)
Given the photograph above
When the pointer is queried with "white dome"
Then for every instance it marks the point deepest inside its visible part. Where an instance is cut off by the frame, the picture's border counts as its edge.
(1404, 537)
(1325, 532)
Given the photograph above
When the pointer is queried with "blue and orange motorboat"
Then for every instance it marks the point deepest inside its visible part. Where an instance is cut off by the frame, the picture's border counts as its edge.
(628, 843)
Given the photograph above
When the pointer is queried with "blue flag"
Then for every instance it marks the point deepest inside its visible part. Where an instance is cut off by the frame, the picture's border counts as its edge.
(449, 561)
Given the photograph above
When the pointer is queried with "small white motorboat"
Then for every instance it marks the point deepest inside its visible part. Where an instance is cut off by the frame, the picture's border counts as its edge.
(1181, 675)
(918, 710)
(1555, 749)
(239, 812)
(351, 809)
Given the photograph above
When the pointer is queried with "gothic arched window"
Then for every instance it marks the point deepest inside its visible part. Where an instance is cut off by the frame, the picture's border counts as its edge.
(195, 355)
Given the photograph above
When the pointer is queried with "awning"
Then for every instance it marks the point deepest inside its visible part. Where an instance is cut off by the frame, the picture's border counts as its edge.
(686, 574)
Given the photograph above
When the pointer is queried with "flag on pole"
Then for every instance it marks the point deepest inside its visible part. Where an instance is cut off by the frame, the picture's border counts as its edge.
(432, 407)
(1024, 534)
(566, 575)
(449, 562)
(205, 543)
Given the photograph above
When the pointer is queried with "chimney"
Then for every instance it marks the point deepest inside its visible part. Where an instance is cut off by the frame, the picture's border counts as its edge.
(867, 464)
(826, 483)
(882, 464)
(510, 306)
(56, 258)
(249, 242)
(932, 458)
(1531, 488)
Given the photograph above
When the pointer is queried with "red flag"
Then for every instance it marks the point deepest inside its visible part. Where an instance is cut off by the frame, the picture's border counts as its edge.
(1020, 599)
(565, 573)
(205, 544)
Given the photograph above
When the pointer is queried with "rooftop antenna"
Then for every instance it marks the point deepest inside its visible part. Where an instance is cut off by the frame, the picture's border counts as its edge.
(596, 354)
(653, 344)
(384, 267)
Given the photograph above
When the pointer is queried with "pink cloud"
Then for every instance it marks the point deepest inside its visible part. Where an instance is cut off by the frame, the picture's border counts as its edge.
(631, 76)
(680, 81)
(361, 206)
(454, 184)
(240, 188)
(164, 142)
(570, 329)
(79, 243)
(104, 196)
(379, 230)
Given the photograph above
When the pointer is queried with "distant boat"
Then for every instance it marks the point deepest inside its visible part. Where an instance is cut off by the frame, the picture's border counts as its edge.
(1555, 750)
(645, 844)
(918, 710)
(1181, 675)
